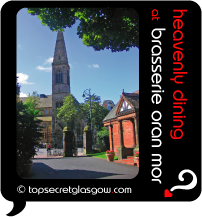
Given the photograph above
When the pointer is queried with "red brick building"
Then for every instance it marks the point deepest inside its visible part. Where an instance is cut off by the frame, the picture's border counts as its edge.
(108, 104)
(123, 124)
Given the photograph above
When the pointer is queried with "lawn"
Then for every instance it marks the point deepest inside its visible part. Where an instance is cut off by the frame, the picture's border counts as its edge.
(101, 155)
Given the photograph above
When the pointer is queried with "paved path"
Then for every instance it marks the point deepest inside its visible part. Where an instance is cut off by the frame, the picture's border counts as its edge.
(81, 167)
(42, 153)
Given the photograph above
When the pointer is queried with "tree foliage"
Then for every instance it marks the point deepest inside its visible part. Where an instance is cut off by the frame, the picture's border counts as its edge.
(27, 128)
(98, 112)
(104, 132)
(103, 136)
(27, 133)
(111, 28)
(70, 111)
(33, 104)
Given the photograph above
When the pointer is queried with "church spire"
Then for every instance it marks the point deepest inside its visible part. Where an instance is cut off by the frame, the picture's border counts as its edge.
(60, 55)
(60, 85)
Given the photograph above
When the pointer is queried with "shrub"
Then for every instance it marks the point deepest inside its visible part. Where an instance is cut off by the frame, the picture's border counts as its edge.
(27, 134)
(103, 135)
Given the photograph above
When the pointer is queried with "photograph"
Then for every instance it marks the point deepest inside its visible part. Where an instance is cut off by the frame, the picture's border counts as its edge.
(78, 93)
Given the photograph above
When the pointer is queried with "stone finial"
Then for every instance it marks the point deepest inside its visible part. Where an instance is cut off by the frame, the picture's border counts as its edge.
(65, 129)
(86, 128)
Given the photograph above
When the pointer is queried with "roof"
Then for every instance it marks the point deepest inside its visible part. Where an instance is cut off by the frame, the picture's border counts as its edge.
(60, 54)
(112, 113)
(132, 98)
(44, 102)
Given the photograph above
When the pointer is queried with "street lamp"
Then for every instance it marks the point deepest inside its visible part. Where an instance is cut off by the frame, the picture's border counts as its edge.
(88, 94)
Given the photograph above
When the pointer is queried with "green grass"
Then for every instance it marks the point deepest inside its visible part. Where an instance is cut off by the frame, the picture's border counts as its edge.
(101, 155)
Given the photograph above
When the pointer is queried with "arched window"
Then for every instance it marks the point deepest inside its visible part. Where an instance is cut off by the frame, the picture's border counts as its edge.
(59, 77)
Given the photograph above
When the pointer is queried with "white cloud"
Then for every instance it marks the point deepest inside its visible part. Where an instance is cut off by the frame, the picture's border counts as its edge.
(22, 78)
(23, 94)
(49, 60)
(46, 69)
(96, 66)
(71, 66)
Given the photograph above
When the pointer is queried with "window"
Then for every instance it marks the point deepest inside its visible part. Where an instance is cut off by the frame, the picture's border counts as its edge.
(68, 79)
(59, 77)
(44, 125)
(59, 104)
(47, 111)
(108, 106)
(125, 107)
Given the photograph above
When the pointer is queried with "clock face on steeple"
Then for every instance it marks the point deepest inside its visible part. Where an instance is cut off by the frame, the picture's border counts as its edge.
(125, 107)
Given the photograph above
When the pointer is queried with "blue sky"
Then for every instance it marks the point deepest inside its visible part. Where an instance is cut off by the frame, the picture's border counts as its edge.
(104, 72)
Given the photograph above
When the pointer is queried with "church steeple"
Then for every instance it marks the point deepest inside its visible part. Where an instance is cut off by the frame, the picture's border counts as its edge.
(60, 68)
(60, 72)
(60, 55)
(60, 85)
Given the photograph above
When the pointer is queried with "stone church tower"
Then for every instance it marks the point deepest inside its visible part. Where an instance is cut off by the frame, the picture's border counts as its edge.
(60, 84)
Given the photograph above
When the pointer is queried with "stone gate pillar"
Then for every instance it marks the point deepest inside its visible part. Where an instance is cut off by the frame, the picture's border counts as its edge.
(67, 142)
(87, 141)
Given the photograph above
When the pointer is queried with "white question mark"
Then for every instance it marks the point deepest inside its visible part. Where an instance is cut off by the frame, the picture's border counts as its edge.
(185, 187)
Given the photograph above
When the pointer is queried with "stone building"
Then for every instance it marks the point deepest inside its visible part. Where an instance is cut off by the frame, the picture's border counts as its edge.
(53, 127)
(60, 84)
(123, 124)
(108, 104)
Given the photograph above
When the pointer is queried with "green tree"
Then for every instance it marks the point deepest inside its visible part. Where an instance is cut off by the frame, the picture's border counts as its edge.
(70, 111)
(103, 136)
(111, 28)
(28, 135)
(98, 112)
(33, 104)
